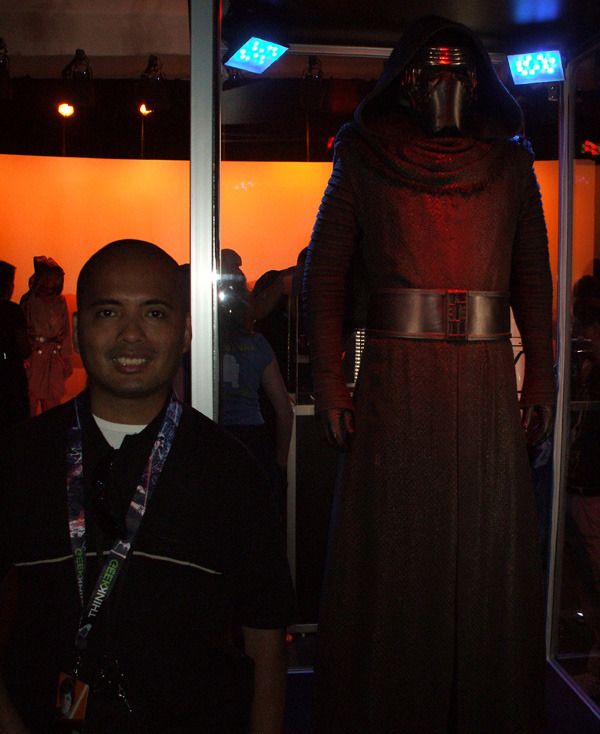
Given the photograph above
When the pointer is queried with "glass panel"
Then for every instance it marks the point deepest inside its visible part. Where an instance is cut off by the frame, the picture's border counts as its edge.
(277, 146)
(277, 135)
(577, 632)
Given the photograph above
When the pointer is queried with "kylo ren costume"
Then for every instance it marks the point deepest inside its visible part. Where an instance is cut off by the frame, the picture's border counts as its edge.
(432, 617)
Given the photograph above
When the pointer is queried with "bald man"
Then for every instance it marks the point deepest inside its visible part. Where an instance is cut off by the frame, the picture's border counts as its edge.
(141, 536)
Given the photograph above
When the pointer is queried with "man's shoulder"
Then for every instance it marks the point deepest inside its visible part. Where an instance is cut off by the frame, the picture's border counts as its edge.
(214, 473)
(195, 423)
(200, 435)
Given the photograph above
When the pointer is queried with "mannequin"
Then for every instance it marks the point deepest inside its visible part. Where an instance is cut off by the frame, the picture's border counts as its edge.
(45, 308)
(432, 617)
(439, 89)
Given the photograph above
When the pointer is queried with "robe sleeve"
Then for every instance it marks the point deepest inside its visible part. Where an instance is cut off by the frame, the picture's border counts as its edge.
(333, 242)
(531, 297)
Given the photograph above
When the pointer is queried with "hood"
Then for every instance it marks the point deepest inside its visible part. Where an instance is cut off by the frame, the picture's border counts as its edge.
(496, 113)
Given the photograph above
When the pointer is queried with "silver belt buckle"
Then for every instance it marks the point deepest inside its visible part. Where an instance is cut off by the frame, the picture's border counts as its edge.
(457, 312)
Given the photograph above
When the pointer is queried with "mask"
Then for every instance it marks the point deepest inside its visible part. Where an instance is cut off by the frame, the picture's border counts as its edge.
(439, 85)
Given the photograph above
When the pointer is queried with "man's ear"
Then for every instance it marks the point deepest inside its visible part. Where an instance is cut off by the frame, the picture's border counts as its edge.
(187, 338)
(75, 334)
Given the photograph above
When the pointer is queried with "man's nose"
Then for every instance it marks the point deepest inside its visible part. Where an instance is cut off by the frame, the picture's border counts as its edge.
(132, 329)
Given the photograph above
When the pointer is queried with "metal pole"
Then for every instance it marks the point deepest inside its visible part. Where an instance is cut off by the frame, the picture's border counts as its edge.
(561, 429)
(205, 17)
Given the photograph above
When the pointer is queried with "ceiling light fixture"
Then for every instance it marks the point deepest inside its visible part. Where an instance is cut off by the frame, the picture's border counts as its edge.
(536, 67)
(256, 55)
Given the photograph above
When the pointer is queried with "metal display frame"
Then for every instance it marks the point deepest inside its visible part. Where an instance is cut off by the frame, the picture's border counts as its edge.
(205, 134)
(204, 179)
(562, 424)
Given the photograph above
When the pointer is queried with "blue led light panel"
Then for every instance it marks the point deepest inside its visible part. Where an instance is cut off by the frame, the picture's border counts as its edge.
(536, 67)
(256, 55)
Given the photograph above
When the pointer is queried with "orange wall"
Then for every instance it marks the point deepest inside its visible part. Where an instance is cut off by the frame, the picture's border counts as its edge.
(268, 210)
(69, 207)
(585, 215)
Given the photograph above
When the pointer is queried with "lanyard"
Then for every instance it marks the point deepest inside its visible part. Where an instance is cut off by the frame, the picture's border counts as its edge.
(120, 550)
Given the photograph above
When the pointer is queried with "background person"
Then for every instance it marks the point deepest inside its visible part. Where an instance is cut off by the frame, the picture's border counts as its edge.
(45, 308)
(248, 365)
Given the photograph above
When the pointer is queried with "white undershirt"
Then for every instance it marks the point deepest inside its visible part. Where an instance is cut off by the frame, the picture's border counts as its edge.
(115, 433)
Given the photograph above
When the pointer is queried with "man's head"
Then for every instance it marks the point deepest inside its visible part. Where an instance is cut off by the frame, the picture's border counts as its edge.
(131, 328)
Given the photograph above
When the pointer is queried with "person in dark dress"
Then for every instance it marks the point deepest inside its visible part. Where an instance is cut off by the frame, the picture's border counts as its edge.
(14, 348)
(432, 617)
(49, 331)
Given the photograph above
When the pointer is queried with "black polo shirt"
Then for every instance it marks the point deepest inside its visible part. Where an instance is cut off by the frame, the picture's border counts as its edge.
(208, 554)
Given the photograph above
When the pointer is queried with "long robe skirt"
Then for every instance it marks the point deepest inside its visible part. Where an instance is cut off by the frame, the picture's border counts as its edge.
(432, 618)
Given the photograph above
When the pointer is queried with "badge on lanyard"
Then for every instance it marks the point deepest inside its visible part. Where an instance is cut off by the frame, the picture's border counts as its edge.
(108, 680)
(71, 699)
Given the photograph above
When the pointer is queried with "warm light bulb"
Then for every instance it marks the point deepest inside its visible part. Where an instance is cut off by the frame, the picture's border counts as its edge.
(145, 110)
(65, 109)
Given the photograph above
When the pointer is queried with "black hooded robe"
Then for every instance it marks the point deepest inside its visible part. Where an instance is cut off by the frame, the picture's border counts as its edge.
(432, 618)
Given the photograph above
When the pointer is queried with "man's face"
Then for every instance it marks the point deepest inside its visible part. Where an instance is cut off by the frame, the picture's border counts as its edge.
(131, 331)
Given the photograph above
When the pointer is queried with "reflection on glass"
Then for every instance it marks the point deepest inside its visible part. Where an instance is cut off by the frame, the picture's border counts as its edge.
(578, 642)
(253, 403)
(580, 638)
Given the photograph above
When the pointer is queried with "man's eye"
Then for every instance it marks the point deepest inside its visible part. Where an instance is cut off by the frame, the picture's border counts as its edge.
(106, 313)
(156, 313)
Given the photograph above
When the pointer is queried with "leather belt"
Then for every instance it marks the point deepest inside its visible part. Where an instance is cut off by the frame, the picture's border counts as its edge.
(448, 315)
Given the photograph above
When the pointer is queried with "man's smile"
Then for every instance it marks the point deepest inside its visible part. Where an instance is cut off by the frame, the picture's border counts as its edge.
(130, 363)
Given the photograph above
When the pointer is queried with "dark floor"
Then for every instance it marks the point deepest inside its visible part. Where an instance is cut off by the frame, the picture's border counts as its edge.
(567, 712)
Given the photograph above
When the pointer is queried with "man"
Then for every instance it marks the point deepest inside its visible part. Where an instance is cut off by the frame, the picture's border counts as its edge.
(433, 617)
(168, 521)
